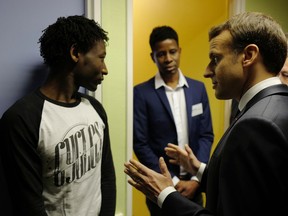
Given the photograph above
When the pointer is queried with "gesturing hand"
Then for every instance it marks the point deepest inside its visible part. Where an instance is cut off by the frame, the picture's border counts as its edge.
(185, 158)
(187, 188)
(146, 180)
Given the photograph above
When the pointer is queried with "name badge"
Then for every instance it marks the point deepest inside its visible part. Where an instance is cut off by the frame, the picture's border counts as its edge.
(197, 109)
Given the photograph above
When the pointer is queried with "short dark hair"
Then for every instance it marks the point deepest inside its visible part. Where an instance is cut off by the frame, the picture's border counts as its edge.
(57, 39)
(162, 33)
(260, 29)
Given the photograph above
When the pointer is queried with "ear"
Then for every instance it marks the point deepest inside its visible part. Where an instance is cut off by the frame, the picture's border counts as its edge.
(251, 54)
(152, 56)
(74, 53)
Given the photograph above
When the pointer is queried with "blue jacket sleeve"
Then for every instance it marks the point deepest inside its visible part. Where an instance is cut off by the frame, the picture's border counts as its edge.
(141, 136)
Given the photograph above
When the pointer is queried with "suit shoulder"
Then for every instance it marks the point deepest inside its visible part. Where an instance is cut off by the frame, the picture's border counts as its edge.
(195, 84)
(146, 85)
(194, 81)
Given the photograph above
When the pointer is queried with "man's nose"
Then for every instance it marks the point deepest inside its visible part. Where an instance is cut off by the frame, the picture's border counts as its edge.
(208, 72)
(104, 70)
(168, 57)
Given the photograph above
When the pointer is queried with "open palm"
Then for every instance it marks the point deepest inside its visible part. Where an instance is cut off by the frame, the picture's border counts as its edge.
(184, 157)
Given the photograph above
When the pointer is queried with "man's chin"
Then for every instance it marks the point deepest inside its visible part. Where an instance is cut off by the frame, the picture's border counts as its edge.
(92, 88)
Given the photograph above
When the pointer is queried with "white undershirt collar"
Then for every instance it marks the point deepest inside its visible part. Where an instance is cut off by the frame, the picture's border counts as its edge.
(255, 89)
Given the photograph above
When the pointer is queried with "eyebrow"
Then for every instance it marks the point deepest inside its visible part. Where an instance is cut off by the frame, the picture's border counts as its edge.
(213, 54)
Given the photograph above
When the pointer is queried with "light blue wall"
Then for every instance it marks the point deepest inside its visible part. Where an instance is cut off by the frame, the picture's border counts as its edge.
(21, 25)
(21, 69)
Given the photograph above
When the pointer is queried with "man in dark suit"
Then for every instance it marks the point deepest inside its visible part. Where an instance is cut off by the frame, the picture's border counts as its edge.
(247, 173)
(171, 108)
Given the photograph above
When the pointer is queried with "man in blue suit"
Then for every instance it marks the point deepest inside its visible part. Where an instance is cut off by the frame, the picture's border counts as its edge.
(247, 172)
(171, 108)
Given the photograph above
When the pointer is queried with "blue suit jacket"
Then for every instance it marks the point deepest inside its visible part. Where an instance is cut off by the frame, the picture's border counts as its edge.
(154, 125)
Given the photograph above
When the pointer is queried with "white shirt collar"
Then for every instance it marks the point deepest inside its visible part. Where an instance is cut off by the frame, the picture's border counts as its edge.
(159, 82)
(255, 89)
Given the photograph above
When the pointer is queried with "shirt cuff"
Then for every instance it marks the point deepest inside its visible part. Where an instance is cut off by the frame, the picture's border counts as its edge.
(163, 194)
(200, 172)
(175, 180)
(195, 178)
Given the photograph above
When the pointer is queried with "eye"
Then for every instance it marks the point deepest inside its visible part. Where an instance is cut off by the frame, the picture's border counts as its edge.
(102, 57)
(173, 51)
(214, 60)
(284, 74)
(160, 54)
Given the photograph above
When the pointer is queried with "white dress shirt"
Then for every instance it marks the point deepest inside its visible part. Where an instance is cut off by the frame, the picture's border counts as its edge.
(177, 102)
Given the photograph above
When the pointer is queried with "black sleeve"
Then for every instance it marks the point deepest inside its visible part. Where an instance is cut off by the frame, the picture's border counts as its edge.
(177, 205)
(204, 179)
(21, 163)
(108, 179)
(5, 205)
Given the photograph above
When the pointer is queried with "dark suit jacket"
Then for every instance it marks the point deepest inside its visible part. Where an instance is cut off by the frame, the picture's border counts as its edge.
(154, 126)
(247, 173)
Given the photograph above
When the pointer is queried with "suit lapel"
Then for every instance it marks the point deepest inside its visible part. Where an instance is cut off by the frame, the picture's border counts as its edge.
(189, 102)
(164, 100)
(276, 89)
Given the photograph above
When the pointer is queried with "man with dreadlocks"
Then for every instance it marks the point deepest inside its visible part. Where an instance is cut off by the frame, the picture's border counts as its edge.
(55, 141)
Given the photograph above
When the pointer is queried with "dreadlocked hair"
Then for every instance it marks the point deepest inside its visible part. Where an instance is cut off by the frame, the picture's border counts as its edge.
(58, 38)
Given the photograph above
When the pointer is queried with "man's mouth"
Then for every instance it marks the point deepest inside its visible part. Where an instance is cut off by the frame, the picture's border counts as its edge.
(214, 85)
